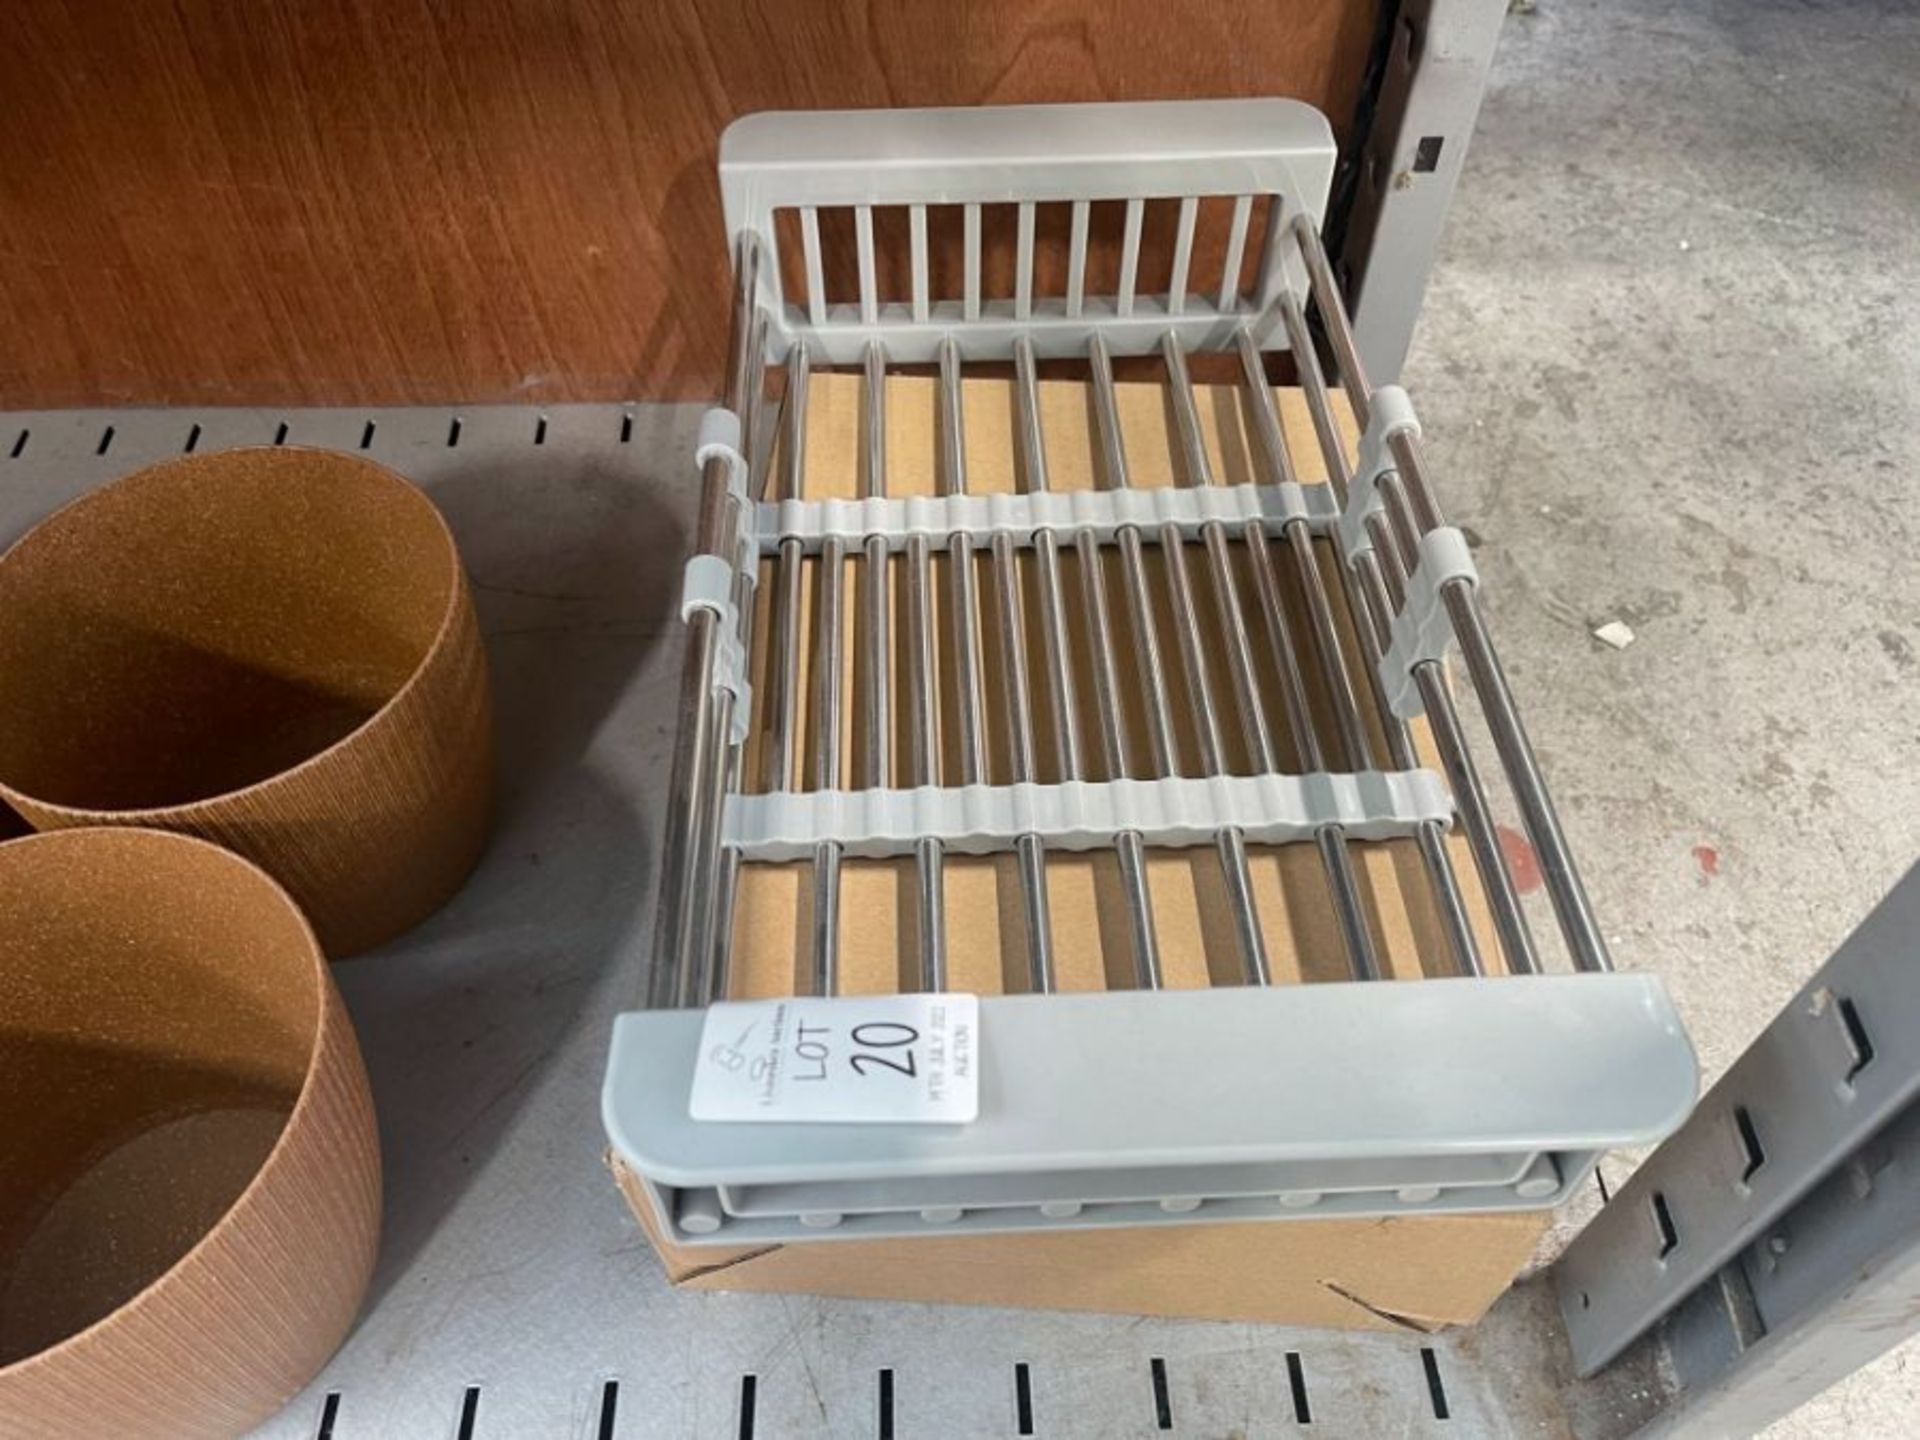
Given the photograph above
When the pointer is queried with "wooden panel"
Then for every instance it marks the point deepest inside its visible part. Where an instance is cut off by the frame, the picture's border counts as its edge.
(395, 201)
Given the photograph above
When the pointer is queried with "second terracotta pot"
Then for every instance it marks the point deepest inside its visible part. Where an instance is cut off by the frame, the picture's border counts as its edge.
(274, 649)
(189, 1170)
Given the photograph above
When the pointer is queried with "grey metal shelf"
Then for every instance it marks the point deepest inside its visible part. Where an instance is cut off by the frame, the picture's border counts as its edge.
(509, 1261)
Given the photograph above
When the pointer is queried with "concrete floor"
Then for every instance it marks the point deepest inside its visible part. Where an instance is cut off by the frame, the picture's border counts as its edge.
(1670, 368)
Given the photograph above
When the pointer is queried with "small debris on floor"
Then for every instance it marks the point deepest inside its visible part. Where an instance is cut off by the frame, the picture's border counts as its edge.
(1523, 862)
(1616, 633)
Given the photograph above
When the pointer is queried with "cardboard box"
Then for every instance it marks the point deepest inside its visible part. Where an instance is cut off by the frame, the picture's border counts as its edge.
(1418, 1272)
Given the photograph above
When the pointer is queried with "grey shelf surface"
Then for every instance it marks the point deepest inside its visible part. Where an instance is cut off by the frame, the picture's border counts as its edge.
(509, 1262)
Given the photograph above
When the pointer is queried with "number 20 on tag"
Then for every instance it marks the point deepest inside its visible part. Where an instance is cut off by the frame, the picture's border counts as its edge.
(885, 1059)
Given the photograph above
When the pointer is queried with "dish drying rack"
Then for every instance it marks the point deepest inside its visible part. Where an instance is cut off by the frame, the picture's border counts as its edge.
(1491, 1086)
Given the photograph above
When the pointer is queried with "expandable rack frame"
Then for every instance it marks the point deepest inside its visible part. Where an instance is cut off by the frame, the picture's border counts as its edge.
(1147, 1105)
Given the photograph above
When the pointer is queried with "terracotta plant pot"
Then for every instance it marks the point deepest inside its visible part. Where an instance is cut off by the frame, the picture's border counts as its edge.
(274, 649)
(189, 1170)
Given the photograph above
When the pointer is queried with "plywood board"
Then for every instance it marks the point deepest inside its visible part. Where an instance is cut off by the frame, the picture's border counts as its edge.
(325, 202)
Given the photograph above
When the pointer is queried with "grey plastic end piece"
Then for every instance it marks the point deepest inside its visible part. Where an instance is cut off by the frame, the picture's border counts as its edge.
(1440, 1095)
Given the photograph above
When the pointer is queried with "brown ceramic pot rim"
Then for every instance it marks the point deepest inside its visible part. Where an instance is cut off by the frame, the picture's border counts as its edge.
(322, 980)
(162, 815)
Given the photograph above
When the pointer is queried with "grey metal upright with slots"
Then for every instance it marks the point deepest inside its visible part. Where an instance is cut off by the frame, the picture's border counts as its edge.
(1777, 1233)
(1409, 148)
(1506, 1084)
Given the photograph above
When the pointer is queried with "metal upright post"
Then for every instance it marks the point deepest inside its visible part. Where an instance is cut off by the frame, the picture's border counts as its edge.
(1777, 1231)
(1397, 184)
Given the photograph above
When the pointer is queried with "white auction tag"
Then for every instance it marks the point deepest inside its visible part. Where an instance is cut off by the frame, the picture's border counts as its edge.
(878, 1060)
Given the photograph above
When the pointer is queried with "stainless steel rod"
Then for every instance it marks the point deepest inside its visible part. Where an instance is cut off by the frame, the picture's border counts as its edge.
(693, 757)
(726, 887)
(963, 612)
(1476, 818)
(789, 577)
(1030, 855)
(718, 527)
(784, 702)
(1448, 900)
(1333, 312)
(1313, 384)
(704, 866)
(1131, 853)
(682, 944)
(1256, 733)
(1062, 702)
(1362, 958)
(1286, 659)
(875, 626)
(1342, 884)
(1571, 905)
(1325, 631)
(1191, 648)
(1348, 910)
(726, 890)
(1116, 757)
(758, 454)
(1374, 613)
(1013, 660)
(1463, 772)
(1146, 639)
(923, 757)
(1133, 569)
(1578, 923)
(824, 950)
(1031, 852)
(1228, 841)
(1117, 761)
(1116, 753)
(923, 716)
(929, 858)
(828, 679)
(1133, 573)
(1339, 685)
(1371, 603)
(1443, 721)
